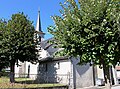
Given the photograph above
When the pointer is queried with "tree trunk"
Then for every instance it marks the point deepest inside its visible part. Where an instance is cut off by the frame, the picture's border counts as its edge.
(0, 72)
(12, 78)
(0, 69)
(107, 77)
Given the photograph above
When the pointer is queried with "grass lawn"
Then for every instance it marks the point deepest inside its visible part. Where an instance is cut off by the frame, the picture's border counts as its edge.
(4, 83)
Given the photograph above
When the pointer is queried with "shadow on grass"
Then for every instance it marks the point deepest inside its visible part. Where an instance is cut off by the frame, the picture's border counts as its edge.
(27, 82)
(33, 82)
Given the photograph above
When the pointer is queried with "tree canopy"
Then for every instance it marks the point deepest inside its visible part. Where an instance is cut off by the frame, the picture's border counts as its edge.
(20, 38)
(89, 29)
(18, 41)
(3, 62)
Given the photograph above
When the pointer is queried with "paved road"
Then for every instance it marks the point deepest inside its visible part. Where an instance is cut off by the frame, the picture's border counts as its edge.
(113, 87)
(116, 87)
(102, 87)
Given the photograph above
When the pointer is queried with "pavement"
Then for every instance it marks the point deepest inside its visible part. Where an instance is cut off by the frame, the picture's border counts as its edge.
(116, 87)
(102, 87)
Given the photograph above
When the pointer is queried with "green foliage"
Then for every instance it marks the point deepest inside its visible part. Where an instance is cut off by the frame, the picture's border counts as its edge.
(17, 40)
(3, 60)
(26, 83)
(89, 29)
(20, 39)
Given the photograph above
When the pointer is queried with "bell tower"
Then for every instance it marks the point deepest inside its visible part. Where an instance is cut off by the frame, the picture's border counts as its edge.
(38, 28)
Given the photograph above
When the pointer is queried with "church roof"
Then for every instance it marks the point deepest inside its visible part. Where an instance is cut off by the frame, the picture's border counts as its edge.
(51, 59)
(51, 50)
(46, 45)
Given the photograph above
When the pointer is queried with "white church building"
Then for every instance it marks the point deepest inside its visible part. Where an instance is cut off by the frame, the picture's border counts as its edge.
(61, 69)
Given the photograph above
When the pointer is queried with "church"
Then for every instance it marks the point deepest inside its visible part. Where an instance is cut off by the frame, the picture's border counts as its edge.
(28, 69)
(61, 70)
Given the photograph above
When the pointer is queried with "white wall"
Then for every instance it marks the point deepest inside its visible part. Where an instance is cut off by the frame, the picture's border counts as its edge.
(118, 74)
(44, 53)
(100, 73)
(22, 70)
(57, 71)
(33, 71)
(16, 71)
(82, 75)
(64, 71)
(64, 67)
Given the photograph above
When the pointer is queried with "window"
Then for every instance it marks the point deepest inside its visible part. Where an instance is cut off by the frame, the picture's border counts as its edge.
(40, 38)
(58, 64)
(46, 67)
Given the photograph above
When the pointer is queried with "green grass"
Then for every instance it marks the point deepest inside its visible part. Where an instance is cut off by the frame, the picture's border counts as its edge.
(8, 85)
(4, 83)
(22, 79)
(4, 80)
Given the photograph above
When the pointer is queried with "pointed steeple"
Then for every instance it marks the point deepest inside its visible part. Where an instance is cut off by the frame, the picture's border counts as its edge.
(38, 24)
(38, 28)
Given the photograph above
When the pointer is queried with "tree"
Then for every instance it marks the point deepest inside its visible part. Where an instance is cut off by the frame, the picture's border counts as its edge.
(3, 62)
(18, 43)
(89, 29)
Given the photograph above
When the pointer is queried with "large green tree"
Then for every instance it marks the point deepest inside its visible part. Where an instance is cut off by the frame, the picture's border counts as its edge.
(3, 62)
(19, 43)
(90, 29)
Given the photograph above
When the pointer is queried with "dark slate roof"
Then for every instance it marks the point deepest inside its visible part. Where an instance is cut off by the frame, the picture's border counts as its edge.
(51, 50)
(49, 47)
(51, 59)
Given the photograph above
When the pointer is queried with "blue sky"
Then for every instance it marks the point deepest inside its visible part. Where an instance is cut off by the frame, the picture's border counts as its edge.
(30, 8)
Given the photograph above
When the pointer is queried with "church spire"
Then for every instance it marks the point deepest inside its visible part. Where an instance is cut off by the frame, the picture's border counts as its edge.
(38, 24)
(40, 33)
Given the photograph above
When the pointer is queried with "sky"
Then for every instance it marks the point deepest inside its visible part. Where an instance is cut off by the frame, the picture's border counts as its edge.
(30, 7)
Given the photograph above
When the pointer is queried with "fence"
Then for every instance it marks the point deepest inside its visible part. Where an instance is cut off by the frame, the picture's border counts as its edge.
(35, 81)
